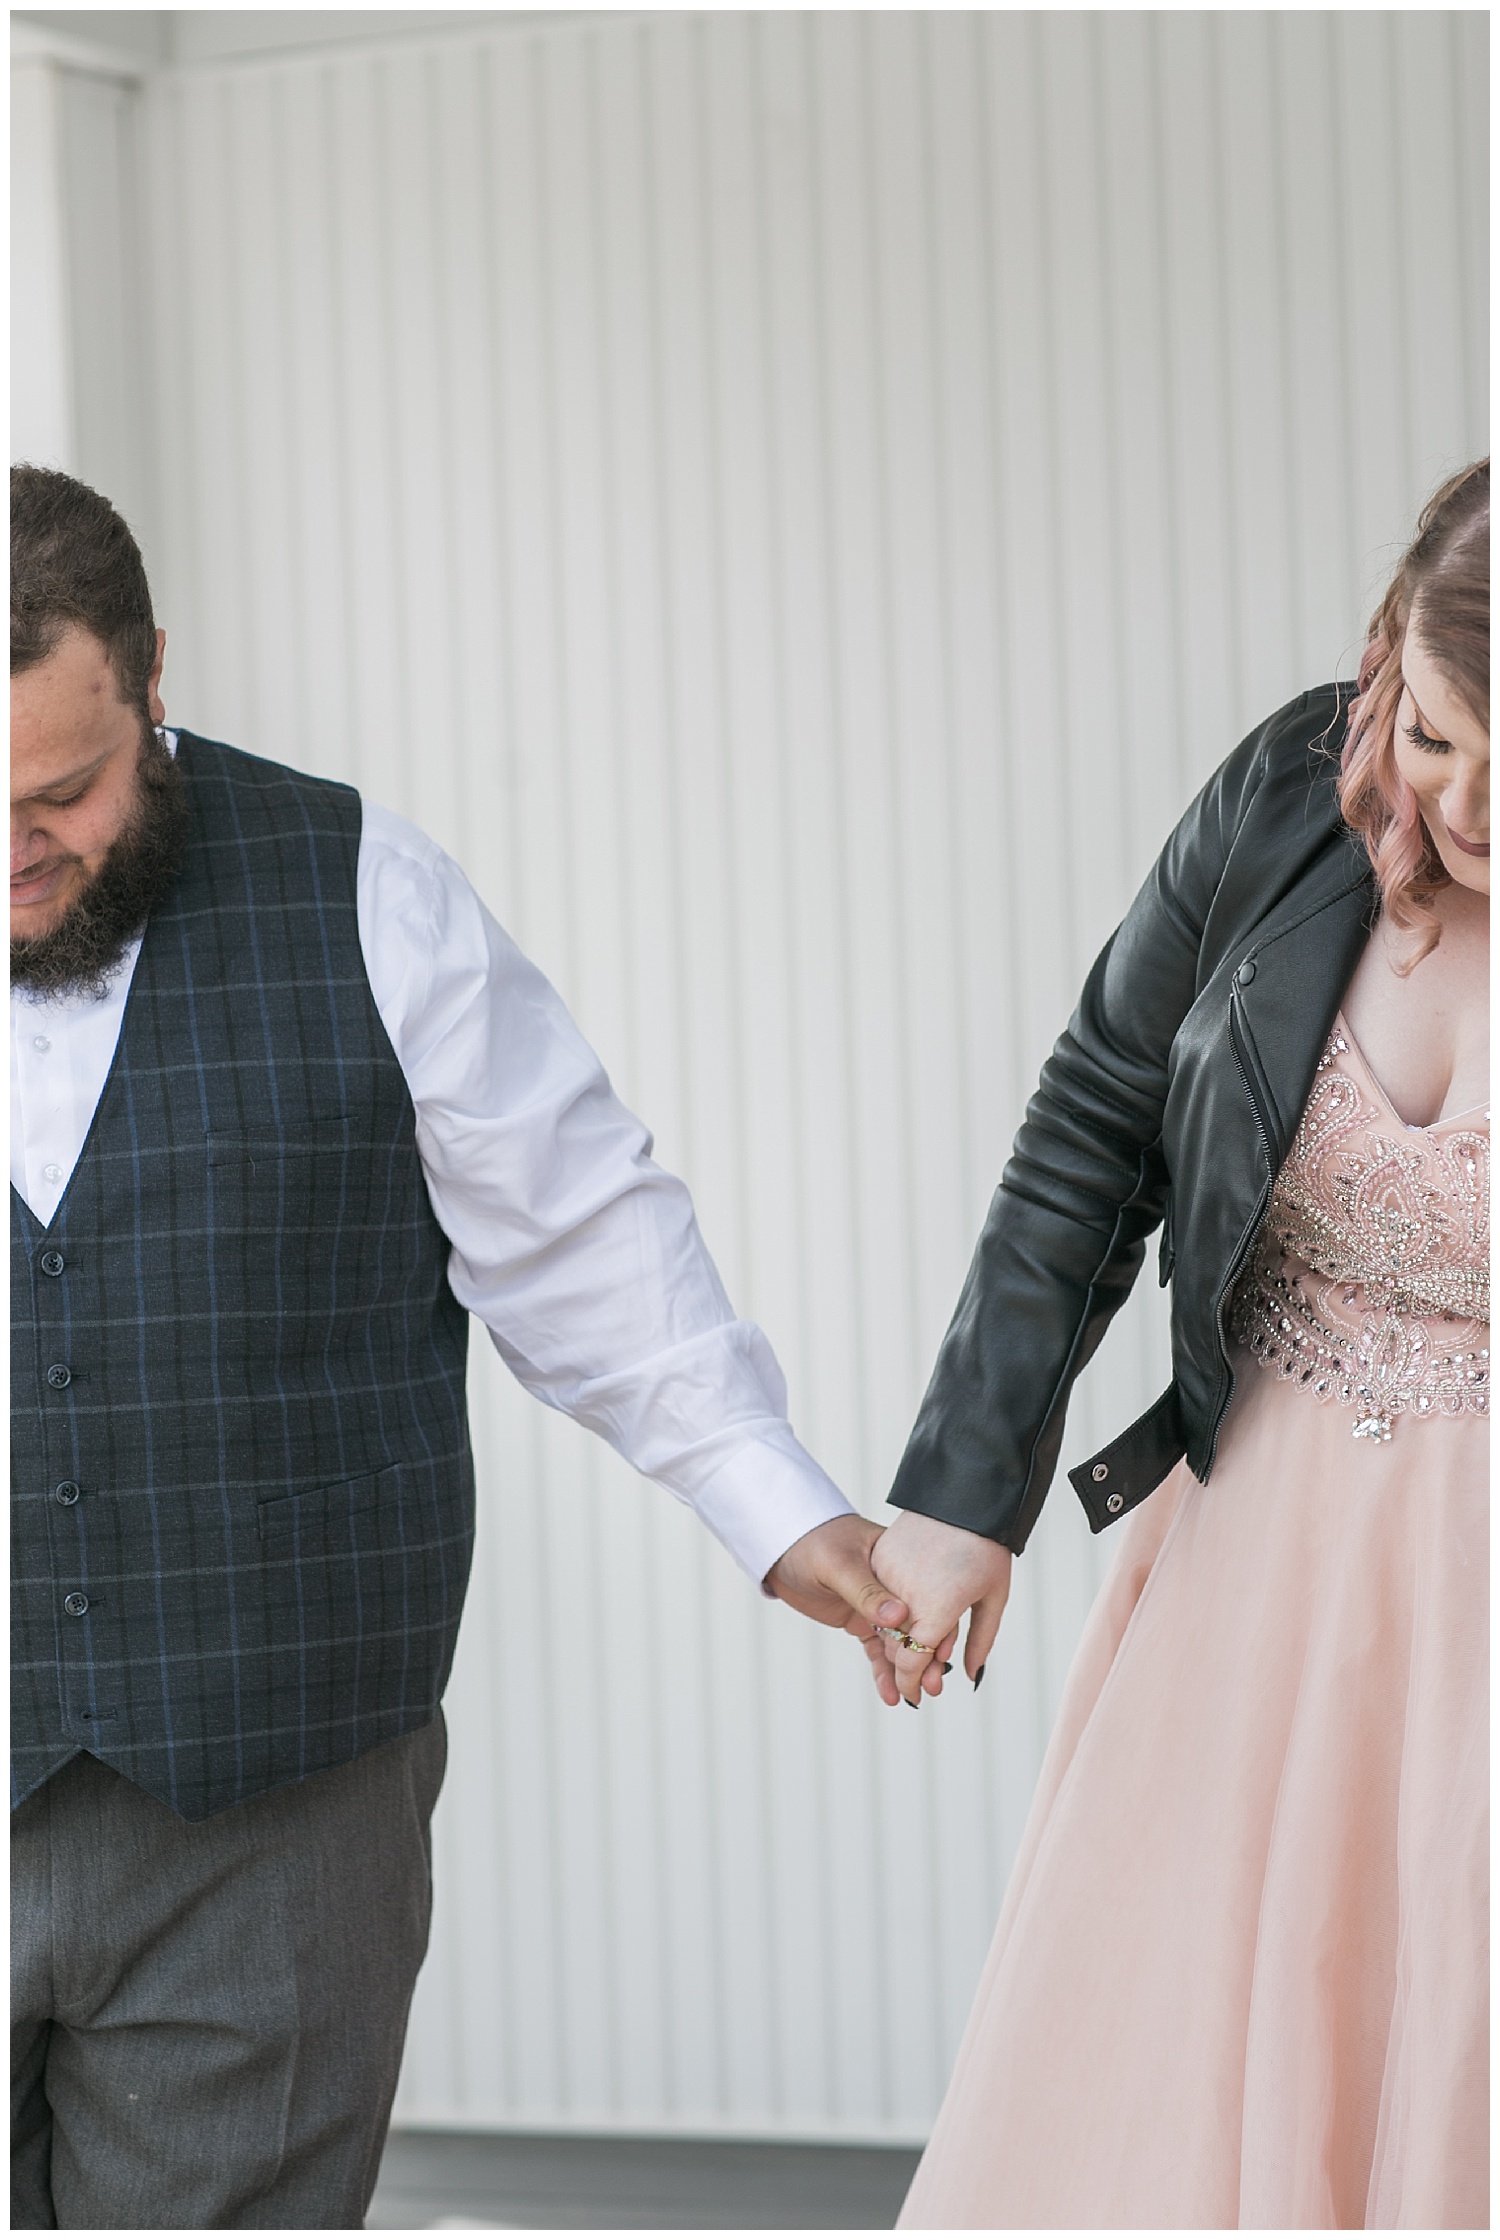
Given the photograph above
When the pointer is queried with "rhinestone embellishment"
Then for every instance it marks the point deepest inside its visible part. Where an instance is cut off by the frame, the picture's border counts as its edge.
(1369, 1283)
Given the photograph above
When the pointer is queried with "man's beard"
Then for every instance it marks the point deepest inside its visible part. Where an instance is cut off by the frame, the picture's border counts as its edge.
(81, 954)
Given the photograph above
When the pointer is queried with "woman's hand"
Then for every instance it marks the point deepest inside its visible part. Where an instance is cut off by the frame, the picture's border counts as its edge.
(939, 1571)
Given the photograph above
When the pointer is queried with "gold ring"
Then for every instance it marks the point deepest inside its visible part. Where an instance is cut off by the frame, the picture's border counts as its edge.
(894, 1633)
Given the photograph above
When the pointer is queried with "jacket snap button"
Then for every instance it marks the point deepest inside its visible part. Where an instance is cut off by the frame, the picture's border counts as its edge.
(53, 1263)
(59, 1375)
(1247, 972)
(1101, 1472)
(66, 1493)
(1115, 1504)
(75, 1604)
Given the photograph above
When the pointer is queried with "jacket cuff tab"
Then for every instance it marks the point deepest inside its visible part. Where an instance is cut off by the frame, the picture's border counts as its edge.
(1118, 1478)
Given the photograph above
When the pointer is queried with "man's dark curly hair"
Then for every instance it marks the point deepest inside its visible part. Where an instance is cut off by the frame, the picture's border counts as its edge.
(74, 563)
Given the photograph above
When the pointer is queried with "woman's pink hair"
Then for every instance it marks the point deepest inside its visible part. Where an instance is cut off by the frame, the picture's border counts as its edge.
(1441, 593)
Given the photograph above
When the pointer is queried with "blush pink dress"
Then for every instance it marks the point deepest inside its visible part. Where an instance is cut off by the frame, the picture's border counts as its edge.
(1240, 1975)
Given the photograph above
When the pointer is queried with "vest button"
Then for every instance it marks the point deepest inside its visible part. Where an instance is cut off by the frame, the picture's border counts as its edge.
(53, 1263)
(75, 1604)
(1115, 1504)
(1101, 1472)
(67, 1493)
(59, 1375)
(1246, 972)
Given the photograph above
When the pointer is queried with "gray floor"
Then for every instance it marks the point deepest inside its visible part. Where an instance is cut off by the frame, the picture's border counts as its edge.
(432, 2180)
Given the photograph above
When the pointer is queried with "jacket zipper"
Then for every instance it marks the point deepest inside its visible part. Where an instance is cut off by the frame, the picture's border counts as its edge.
(1247, 1070)
(1244, 1069)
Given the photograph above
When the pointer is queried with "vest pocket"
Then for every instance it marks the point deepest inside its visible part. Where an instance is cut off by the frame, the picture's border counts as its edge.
(286, 1210)
(321, 1508)
(257, 1147)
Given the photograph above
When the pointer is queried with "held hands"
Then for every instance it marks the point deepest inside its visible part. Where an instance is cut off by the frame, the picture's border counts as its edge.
(925, 1576)
(827, 1576)
(940, 1571)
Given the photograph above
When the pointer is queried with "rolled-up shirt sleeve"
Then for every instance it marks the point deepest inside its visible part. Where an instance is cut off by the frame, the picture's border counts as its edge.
(581, 1256)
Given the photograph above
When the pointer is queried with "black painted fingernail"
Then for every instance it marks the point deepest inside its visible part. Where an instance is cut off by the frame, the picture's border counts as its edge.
(946, 1670)
(979, 1675)
(911, 1704)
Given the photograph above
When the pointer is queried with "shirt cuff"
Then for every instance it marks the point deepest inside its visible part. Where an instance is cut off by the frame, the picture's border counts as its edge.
(767, 1495)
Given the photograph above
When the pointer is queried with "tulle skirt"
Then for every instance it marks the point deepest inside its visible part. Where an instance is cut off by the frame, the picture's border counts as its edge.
(1240, 1975)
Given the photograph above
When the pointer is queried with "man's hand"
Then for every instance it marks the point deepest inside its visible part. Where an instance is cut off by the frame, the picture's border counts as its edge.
(942, 1571)
(827, 1576)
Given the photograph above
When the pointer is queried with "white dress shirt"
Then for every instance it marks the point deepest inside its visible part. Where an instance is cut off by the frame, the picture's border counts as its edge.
(580, 1255)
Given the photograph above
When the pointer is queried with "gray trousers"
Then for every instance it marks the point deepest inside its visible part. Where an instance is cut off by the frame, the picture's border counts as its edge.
(208, 2016)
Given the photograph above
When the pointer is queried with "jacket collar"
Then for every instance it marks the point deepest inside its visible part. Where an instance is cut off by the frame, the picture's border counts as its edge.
(1289, 989)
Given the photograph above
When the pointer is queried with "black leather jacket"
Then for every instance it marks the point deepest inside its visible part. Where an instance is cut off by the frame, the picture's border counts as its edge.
(1173, 1097)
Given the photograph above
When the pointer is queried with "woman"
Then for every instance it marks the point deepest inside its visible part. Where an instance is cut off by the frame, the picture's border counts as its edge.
(1239, 1975)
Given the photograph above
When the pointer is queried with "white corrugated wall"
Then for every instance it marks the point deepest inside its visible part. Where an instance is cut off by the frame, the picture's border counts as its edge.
(796, 503)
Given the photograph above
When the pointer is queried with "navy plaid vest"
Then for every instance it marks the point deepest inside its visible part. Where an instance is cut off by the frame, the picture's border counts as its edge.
(242, 1489)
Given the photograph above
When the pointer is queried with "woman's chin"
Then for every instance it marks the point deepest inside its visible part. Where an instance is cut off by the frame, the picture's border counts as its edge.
(1472, 872)
(1465, 870)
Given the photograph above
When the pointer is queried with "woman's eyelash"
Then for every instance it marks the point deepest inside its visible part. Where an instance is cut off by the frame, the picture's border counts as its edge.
(1425, 740)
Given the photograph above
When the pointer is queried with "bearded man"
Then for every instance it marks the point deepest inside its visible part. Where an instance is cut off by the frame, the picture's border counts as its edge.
(287, 1107)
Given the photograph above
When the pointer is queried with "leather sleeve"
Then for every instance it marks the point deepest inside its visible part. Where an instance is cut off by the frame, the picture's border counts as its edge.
(1085, 1186)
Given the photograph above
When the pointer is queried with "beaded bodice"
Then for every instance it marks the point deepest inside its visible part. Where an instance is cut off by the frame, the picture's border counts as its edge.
(1369, 1282)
